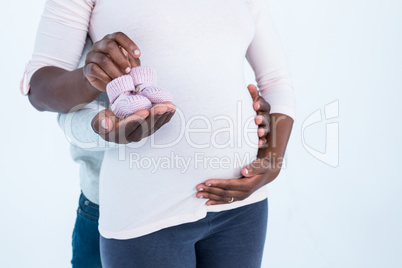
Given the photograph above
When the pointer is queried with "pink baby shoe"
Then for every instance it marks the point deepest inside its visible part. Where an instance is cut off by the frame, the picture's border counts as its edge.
(121, 96)
(145, 84)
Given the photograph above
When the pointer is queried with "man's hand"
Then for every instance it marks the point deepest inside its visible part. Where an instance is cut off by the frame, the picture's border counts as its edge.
(134, 127)
(112, 56)
(58, 90)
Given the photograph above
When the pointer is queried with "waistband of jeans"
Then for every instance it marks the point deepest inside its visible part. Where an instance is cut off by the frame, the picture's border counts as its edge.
(84, 201)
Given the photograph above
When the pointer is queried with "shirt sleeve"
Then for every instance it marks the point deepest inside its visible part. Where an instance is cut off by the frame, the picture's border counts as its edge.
(77, 125)
(60, 37)
(78, 129)
(267, 60)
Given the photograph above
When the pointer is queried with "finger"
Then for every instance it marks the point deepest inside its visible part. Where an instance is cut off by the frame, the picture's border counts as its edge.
(229, 184)
(159, 123)
(170, 115)
(252, 89)
(104, 122)
(162, 121)
(263, 131)
(262, 142)
(159, 108)
(134, 62)
(165, 118)
(258, 167)
(261, 106)
(213, 202)
(262, 120)
(138, 133)
(152, 122)
(99, 85)
(112, 49)
(132, 124)
(93, 72)
(156, 117)
(140, 113)
(203, 190)
(145, 127)
(105, 63)
(124, 41)
(214, 197)
(130, 131)
(155, 113)
(170, 106)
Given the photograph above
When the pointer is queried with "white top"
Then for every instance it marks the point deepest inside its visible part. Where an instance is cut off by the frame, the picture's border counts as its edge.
(197, 49)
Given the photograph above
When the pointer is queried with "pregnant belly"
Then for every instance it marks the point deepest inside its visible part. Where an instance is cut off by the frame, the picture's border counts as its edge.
(214, 139)
(194, 146)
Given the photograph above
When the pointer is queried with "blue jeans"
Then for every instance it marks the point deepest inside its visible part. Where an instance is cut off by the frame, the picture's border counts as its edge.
(85, 242)
(232, 238)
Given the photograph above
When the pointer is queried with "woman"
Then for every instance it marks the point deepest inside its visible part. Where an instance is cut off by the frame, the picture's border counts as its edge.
(197, 49)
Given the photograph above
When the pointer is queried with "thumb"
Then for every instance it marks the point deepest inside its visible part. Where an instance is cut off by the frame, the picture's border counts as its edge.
(253, 92)
(257, 167)
(104, 122)
(134, 62)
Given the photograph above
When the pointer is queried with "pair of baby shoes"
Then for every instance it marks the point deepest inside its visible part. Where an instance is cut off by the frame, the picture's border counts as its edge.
(135, 91)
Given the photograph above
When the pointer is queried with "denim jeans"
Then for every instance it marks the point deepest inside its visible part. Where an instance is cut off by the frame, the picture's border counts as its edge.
(233, 238)
(85, 241)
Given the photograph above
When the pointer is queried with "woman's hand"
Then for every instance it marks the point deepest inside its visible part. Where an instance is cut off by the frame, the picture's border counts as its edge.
(273, 132)
(109, 58)
(134, 127)
(255, 175)
(262, 119)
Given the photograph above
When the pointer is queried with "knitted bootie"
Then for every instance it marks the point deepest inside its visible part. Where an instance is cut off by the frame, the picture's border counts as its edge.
(121, 96)
(145, 84)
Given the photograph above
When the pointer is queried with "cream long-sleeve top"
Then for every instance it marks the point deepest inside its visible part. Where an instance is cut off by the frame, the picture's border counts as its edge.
(197, 49)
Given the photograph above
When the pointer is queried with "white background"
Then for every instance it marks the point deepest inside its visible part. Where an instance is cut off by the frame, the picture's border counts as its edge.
(320, 216)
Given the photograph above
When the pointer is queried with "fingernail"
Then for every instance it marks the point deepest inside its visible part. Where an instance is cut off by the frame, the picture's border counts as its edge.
(258, 106)
(257, 120)
(201, 196)
(201, 189)
(246, 171)
(137, 52)
(104, 124)
(209, 184)
(128, 69)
